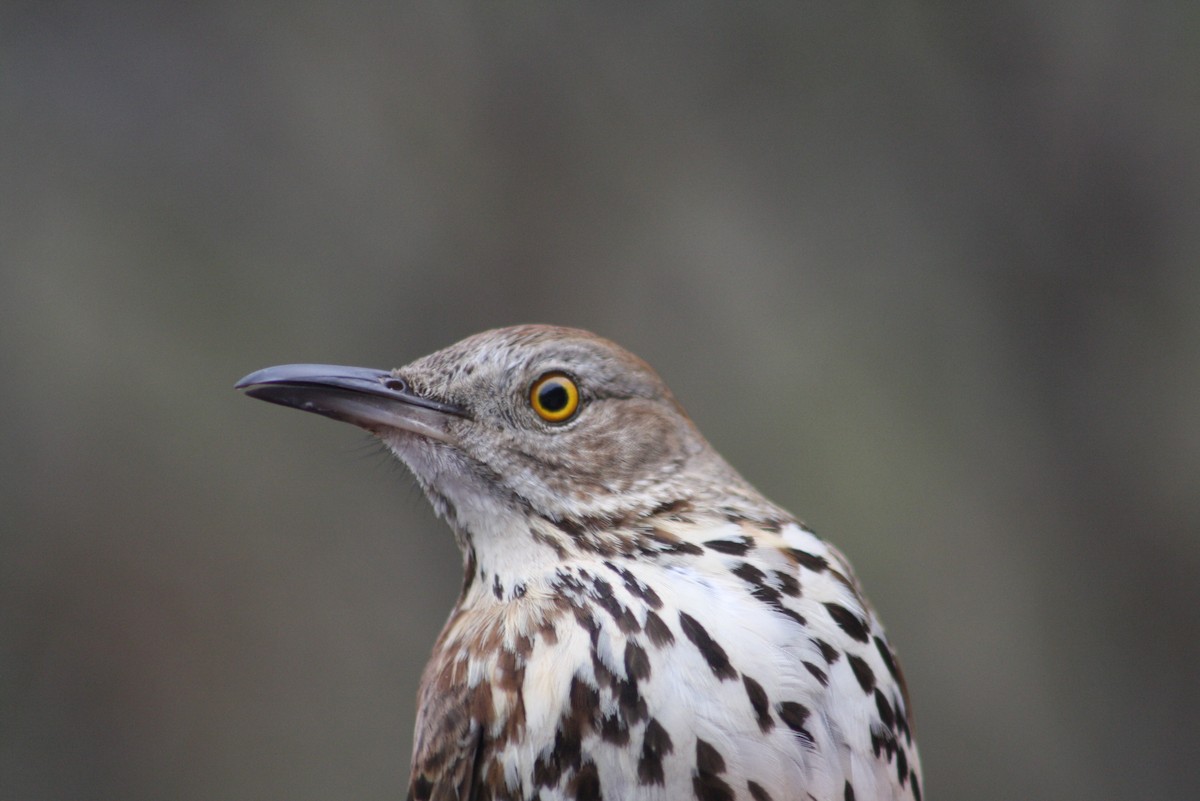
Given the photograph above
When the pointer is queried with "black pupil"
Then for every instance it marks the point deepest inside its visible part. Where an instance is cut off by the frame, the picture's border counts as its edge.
(553, 396)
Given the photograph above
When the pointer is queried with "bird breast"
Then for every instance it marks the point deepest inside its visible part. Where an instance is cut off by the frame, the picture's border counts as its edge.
(746, 656)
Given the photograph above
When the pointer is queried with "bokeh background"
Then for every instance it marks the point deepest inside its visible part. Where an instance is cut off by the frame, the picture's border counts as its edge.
(927, 273)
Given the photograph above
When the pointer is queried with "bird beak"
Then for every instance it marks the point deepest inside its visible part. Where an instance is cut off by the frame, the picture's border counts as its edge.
(372, 399)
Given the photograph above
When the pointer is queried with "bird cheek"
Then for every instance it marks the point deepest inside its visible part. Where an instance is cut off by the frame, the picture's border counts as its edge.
(648, 445)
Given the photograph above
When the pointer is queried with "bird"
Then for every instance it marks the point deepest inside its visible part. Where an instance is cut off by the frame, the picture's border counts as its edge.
(636, 622)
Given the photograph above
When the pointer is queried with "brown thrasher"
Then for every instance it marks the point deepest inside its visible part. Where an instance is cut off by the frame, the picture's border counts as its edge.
(636, 621)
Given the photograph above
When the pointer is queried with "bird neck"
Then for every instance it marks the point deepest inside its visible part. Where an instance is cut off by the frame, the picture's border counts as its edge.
(508, 550)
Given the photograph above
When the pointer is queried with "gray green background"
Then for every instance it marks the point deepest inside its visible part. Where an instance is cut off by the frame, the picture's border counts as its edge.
(927, 273)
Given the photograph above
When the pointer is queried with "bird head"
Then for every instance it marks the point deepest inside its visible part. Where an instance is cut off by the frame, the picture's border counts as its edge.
(551, 421)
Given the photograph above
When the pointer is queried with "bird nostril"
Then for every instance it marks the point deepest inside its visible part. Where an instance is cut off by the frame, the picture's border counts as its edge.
(395, 384)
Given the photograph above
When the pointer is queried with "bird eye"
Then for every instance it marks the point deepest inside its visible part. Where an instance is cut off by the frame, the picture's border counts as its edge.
(555, 397)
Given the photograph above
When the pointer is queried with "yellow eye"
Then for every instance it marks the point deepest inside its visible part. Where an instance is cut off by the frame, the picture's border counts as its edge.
(555, 397)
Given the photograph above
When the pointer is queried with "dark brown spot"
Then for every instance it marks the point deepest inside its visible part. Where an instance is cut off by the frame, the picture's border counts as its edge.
(546, 772)
(647, 594)
(564, 757)
(713, 653)
(902, 722)
(849, 622)
(686, 548)
(636, 587)
(637, 663)
(514, 723)
(656, 744)
(497, 588)
(586, 783)
(818, 674)
(886, 715)
(602, 594)
(671, 508)
(510, 671)
(901, 766)
(632, 704)
(805, 559)
(764, 592)
(657, 630)
(628, 623)
(794, 716)
(796, 616)
(550, 542)
(421, 789)
(567, 579)
(585, 703)
(768, 595)
(614, 729)
(830, 653)
(788, 584)
(847, 583)
(572, 528)
(883, 741)
(588, 533)
(757, 792)
(604, 676)
(490, 783)
(750, 574)
(848, 792)
(732, 515)
(587, 622)
(736, 547)
(669, 543)
(916, 788)
(862, 672)
(481, 702)
(708, 759)
(760, 703)
(708, 787)
(888, 659)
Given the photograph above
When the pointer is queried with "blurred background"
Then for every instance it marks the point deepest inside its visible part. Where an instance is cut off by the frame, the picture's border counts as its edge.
(926, 273)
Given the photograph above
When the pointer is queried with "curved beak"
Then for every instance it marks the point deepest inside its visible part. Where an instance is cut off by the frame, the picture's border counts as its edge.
(368, 398)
